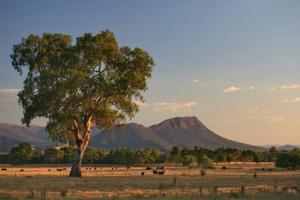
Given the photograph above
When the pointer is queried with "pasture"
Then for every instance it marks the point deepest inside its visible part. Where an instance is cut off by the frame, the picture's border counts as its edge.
(121, 182)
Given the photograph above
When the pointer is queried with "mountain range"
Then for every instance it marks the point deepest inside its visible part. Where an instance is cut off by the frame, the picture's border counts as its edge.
(178, 131)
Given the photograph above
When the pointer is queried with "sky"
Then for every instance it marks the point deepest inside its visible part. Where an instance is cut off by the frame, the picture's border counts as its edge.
(233, 64)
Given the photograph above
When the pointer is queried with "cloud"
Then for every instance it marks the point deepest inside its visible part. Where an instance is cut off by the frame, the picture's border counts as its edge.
(8, 98)
(284, 87)
(4, 91)
(270, 88)
(174, 106)
(196, 80)
(275, 119)
(231, 89)
(290, 86)
(295, 100)
(255, 108)
(251, 88)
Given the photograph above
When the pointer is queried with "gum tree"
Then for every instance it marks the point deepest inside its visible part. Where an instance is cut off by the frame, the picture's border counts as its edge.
(79, 84)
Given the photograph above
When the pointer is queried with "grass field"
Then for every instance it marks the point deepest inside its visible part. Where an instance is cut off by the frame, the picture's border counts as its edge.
(122, 183)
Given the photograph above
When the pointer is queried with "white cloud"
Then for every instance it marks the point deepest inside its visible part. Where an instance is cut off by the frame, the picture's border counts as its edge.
(290, 86)
(270, 88)
(9, 91)
(8, 98)
(231, 89)
(275, 119)
(196, 80)
(295, 100)
(174, 106)
(255, 108)
(251, 88)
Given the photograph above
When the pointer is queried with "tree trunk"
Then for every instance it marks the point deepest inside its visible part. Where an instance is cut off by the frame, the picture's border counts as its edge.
(82, 143)
(76, 166)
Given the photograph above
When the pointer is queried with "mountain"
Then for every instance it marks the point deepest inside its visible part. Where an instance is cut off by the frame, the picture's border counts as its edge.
(11, 135)
(180, 131)
(286, 147)
(189, 131)
(134, 136)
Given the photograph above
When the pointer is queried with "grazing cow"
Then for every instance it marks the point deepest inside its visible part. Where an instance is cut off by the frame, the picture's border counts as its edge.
(143, 173)
(155, 171)
(161, 172)
(58, 169)
(148, 168)
(3, 169)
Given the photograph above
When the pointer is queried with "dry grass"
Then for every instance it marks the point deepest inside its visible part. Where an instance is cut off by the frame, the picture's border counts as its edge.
(178, 182)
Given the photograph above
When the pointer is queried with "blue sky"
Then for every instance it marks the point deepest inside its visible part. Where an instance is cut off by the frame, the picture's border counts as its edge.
(233, 64)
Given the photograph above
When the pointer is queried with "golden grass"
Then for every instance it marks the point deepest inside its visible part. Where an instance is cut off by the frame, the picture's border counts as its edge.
(107, 182)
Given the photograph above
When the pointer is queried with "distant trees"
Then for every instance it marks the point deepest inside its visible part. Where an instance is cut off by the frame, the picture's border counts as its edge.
(188, 160)
(21, 153)
(272, 153)
(289, 159)
(53, 155)
(175, 154)
(24, 154)
(94, 156)
(126, 156)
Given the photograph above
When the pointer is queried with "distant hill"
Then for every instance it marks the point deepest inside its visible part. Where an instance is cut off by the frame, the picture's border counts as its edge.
(134, 136)
(180, 131)
(11, 135)
(286, 147)
(189, 131)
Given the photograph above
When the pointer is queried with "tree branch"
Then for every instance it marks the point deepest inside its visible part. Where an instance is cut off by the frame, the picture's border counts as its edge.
(77, 133)
(89, 125)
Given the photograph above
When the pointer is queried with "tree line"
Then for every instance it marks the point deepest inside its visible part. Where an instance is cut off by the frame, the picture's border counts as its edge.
(25, 154)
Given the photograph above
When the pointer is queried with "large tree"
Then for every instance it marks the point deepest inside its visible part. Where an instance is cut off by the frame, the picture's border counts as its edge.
(79, 84)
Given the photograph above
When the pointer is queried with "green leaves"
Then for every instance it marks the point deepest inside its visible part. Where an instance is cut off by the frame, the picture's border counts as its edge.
(71, 81)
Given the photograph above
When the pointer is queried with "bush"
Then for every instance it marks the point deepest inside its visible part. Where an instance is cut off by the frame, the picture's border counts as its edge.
(188, 160)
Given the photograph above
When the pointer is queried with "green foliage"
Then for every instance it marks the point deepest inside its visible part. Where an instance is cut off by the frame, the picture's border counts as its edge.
(89, 78)
(53, 155)
(204, 157)
(69, 153)
(205, 161)
(37, 157)
(21, 153)
(188, 160)
(175, 154)
(4, 158)
(288, 159)
(120, 156)
(272, 153)
(93, 156)
(247, 156)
